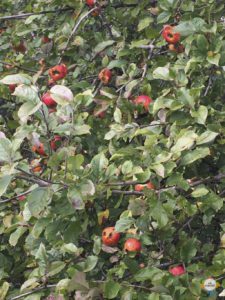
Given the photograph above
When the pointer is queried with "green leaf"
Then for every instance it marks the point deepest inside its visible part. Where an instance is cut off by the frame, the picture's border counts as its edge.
(38, 201)
(81, 129)
(4, 182)
(111, 289)
(17, 79)
(75, 199)
(200, 115)
(188, 250)
(55, 268)
(101, 46)
(147, 274)
(5, 150)
(89, 264)
(70, 248)
(127, 167)
(214, 58)
(206, 137)
(185, 97)
(162, 73)
(138, 44)
(14, 237)
(30, 283)
(186, 141)
(163, 17)
(200, 191)
(27, 93)
(4, 290)
(27, 109)
(158, 213)
(123, 224)
(117, 115)
(194, 155)
(187, 28)
(145, 22)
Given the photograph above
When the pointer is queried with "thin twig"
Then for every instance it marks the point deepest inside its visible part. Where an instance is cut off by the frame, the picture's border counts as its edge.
(15, 197)
(25, 15)
(34, 291)
(74, 31)
(16, 66)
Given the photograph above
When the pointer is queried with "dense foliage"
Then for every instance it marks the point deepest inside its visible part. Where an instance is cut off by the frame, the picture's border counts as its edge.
(70, 168)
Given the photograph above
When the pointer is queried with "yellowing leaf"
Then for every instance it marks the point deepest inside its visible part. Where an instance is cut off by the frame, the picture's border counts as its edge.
(103, 215)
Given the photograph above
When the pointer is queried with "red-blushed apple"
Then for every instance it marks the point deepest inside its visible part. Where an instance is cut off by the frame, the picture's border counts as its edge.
(177, 270)
(91, 2)
(140, 187)
(105, 75)
(48, 100)
(143, 100)
(22, 198)
(110, 237)
(12, 87)
(132, 245)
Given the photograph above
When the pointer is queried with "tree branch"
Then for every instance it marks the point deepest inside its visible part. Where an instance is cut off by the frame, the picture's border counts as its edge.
(218, 177)
(34, 291)
(25, 15)
(15, 197)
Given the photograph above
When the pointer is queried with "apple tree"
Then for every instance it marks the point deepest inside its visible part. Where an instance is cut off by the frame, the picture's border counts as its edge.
(112, 149)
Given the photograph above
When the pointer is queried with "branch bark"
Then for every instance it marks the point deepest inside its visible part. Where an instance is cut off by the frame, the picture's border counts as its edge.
(33, 291)
(25, 15)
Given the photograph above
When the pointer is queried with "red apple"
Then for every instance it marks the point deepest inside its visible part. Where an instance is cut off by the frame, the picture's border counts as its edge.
(132, 245)
(12, 87)
(58, 72)
(22, 198)
(105, 75)
(177, 270)
(169, 35)
(56, 142)
(110, 237)
(48, 100)
(90, 2)
(144, 101)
